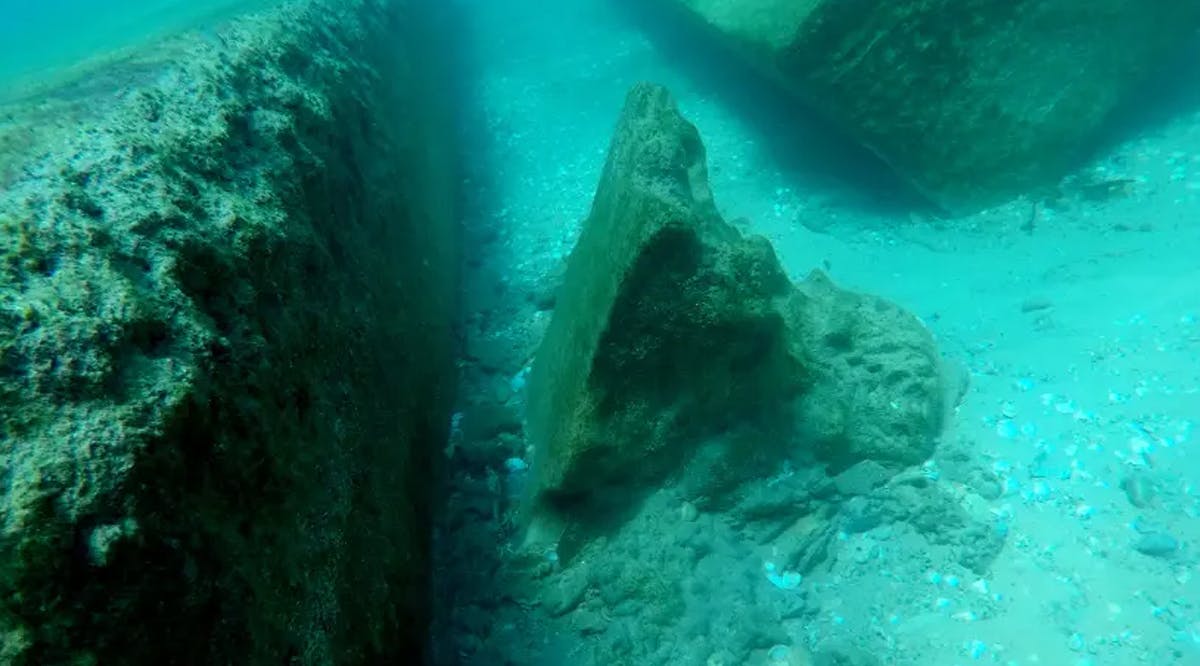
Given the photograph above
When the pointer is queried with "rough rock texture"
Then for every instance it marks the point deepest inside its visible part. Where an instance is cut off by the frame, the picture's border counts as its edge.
(225, 310)
(972, 102)
(668, 323)
(683, 582)
(874, 389)
(672, 331)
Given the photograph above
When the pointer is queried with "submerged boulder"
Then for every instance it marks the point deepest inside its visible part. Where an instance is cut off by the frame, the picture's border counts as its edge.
(225, 364)
(971, 102)
(672, 331)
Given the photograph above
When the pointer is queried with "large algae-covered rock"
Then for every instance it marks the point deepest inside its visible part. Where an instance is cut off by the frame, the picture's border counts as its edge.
(224, 324)
(875, 387)
(667, 323)
(972, 102)
(671, 329)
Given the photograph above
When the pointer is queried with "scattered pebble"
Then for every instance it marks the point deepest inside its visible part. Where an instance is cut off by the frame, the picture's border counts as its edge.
(784, 580)
(779, 654)
(1156, 544)
(1139, 489)
(1035, 304)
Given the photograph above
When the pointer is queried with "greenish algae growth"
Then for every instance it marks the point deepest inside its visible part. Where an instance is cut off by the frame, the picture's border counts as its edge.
(224, 349)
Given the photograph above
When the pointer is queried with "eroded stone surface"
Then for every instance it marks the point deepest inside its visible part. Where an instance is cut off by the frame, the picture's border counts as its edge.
(225, 306)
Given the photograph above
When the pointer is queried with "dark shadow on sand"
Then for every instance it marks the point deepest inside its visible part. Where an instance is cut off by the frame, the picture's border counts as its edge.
(814, 150)
(803, 144)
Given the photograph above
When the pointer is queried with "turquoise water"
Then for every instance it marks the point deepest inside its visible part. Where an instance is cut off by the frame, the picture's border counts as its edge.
(1067, 322)
(39, 40)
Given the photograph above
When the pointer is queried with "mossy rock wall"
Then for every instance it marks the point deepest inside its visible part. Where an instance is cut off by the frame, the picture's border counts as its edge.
(972, 101)
(225, 310)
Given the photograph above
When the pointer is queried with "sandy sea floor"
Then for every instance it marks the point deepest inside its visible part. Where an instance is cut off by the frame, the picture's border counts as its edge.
(1082, 337)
